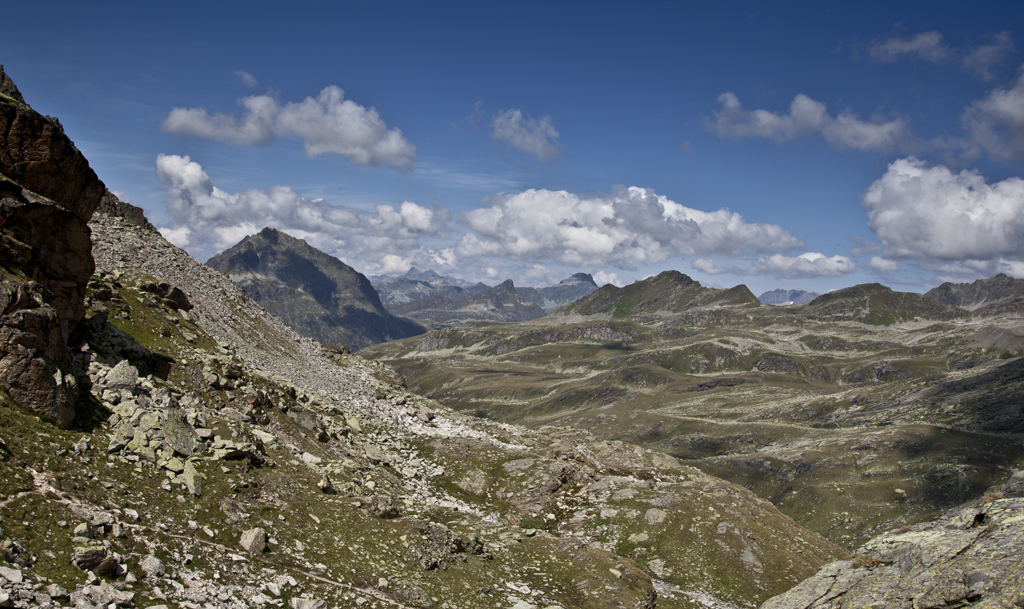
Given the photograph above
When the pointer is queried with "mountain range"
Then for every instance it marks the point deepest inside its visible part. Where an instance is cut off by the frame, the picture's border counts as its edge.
(786, 297)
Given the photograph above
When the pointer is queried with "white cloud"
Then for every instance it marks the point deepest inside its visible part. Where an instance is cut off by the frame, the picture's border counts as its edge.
(602, 278)
(707, 265)
(807, 116)
(922, 211)
(810, 264)
(995, 123)
(983, 57)
(393, 264)
(883, 265)
(925, 45)
(246, 78)
(527, 134)
(207, 220)
(121, 196)
(631, 226)
(326, 124)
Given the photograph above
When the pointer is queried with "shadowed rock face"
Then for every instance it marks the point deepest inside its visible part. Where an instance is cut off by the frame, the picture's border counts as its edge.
(48, 192)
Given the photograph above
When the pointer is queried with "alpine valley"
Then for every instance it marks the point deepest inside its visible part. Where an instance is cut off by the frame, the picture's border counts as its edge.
(168, 441)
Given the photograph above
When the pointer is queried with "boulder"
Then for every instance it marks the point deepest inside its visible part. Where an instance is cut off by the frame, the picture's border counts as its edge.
(152, 567)
(254, 541)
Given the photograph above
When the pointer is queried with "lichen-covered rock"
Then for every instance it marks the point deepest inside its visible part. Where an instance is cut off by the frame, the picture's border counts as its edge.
(971, 555)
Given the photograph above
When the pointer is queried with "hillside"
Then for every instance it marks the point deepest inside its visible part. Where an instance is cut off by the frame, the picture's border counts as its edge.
(999, 294)
(662, 296)
(314, 293)
(912, 403)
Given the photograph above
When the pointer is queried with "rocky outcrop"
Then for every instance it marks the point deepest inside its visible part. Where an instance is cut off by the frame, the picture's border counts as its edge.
(969, 556)
(47, 195)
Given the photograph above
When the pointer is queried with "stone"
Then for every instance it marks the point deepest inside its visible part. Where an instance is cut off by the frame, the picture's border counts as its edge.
(56, 591)
(655, 516)
(193, 479)
(123, 376)
(105, 595)
(83, 530)
(254, 541)
(11, 575)
(88, 558)
(152, 567)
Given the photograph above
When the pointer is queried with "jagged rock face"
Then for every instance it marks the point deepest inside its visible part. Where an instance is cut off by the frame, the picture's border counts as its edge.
(47, 195)
(314, 293)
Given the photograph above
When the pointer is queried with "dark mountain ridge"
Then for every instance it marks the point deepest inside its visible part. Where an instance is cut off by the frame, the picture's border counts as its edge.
(995, 294)
(312, 292)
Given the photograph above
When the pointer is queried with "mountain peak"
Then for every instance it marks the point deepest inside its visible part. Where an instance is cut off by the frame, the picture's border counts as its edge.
(313, 292)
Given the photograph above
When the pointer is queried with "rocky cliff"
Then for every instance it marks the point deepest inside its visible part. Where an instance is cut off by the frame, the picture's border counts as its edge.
(48, 192)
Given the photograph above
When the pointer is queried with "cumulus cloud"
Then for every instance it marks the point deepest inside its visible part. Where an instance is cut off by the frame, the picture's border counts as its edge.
(981, 58)
(995, 123)
(602, 278)
(925, 45)
(806, 116)
(526, 134)
(810, 264)
(631, 226)
(883, 265)
(246, 78)
(707, 265)
(326, 124)
(207, 220)
(922, 211)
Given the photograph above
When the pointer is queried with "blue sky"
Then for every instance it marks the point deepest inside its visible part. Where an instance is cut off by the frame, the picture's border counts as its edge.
(807, 145)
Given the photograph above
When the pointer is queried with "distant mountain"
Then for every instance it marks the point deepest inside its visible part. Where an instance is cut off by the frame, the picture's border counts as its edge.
(420, 285)
(996, 294)
(787, 297)
(498, 304)
(568, 290)
(314, 293)
(668, 292)
(433, 278)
